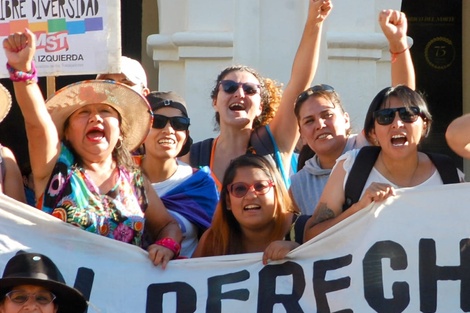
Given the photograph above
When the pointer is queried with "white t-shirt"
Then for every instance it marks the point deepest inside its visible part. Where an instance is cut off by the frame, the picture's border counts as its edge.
(375, 176)
(189, 230)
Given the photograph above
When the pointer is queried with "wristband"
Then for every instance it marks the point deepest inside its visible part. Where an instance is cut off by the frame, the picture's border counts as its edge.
(171, 244)
(396, 54)
(20, 76)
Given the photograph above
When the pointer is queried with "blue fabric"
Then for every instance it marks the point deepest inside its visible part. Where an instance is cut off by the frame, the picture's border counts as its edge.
(195, 198)
(277, 157)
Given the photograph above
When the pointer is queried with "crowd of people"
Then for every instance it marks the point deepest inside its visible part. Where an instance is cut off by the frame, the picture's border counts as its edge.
(116, 159)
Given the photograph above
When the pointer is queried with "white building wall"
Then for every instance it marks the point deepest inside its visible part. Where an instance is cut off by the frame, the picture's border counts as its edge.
(199, 38)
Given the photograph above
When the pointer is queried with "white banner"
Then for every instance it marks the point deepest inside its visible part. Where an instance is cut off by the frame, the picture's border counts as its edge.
(73, 36)
(408, 254)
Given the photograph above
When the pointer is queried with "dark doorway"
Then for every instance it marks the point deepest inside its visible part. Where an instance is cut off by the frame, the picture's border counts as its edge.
(436, 29)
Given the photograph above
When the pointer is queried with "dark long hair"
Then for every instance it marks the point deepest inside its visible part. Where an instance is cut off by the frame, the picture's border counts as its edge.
(408, 96)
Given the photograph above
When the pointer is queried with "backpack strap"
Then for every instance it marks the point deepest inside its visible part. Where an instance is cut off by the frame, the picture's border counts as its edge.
(446, 167)
(261, 141)
(200, 154)
(365, 160)
(297, 228)
(359, 173)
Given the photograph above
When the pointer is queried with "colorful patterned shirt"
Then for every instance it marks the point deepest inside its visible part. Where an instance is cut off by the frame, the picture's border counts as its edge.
(71, 196)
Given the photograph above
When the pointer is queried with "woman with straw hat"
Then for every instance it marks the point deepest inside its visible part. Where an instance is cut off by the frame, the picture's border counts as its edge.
(79, 143)
(31, 282)
(11, 181)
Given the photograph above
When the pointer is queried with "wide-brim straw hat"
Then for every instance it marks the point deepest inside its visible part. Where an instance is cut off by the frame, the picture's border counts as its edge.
(39, 270)
(5, 102)
(134, 110)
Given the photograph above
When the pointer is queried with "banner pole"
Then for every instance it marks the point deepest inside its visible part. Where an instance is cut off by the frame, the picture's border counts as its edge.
(50, 85)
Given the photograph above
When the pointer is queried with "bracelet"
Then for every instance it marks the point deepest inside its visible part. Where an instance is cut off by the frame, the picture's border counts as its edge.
(396, 54)
(20, 76)
(171, 244)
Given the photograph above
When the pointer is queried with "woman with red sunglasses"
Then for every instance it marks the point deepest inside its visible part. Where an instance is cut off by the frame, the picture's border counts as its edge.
(249, 107)
(254, 214)
(397, 120)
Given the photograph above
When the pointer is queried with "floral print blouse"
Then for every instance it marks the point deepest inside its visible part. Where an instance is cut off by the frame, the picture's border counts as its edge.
(72, 196)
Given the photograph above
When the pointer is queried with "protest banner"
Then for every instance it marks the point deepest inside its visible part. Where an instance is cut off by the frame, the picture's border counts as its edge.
(408, 254)
(73, 37)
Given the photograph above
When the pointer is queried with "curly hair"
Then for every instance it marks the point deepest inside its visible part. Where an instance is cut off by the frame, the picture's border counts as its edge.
(271, 93)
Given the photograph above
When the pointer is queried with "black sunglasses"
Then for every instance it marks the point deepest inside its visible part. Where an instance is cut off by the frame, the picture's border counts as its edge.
(177, 122)
(387, 116)
(230, 86)
(310, 91)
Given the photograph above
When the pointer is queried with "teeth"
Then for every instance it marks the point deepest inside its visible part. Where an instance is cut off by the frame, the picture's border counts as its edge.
(166, 141)
(399, 140)
(237, 106)
(251, 207)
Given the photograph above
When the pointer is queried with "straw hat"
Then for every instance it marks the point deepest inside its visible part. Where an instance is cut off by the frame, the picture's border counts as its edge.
(37, 269)
(133, 108)
(5, 102)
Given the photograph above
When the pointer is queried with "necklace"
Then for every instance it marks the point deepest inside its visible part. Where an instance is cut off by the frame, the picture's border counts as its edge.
(390, 174)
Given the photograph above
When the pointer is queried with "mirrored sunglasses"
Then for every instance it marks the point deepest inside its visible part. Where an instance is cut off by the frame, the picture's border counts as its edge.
(177, 122)
(240, 189)
(230, 87)
(21, 297)
(387, 116)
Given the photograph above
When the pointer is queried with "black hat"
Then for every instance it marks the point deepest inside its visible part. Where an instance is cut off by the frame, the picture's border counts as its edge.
(158, 100)
(37, 269)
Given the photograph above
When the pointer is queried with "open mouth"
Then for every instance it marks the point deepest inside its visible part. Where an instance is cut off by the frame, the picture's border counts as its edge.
(236, 107)
(95, 134)
(325, 136)
(251, 207)
(399, 140)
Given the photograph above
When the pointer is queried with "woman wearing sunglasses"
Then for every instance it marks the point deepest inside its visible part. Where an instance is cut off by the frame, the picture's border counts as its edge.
(254, 214)
(325, 126)
(31, 282)
(245, 103)
(190, 195)
(397, 120)
(79, 143)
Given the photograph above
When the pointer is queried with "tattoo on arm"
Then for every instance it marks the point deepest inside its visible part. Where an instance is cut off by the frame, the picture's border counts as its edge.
(324, 213)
